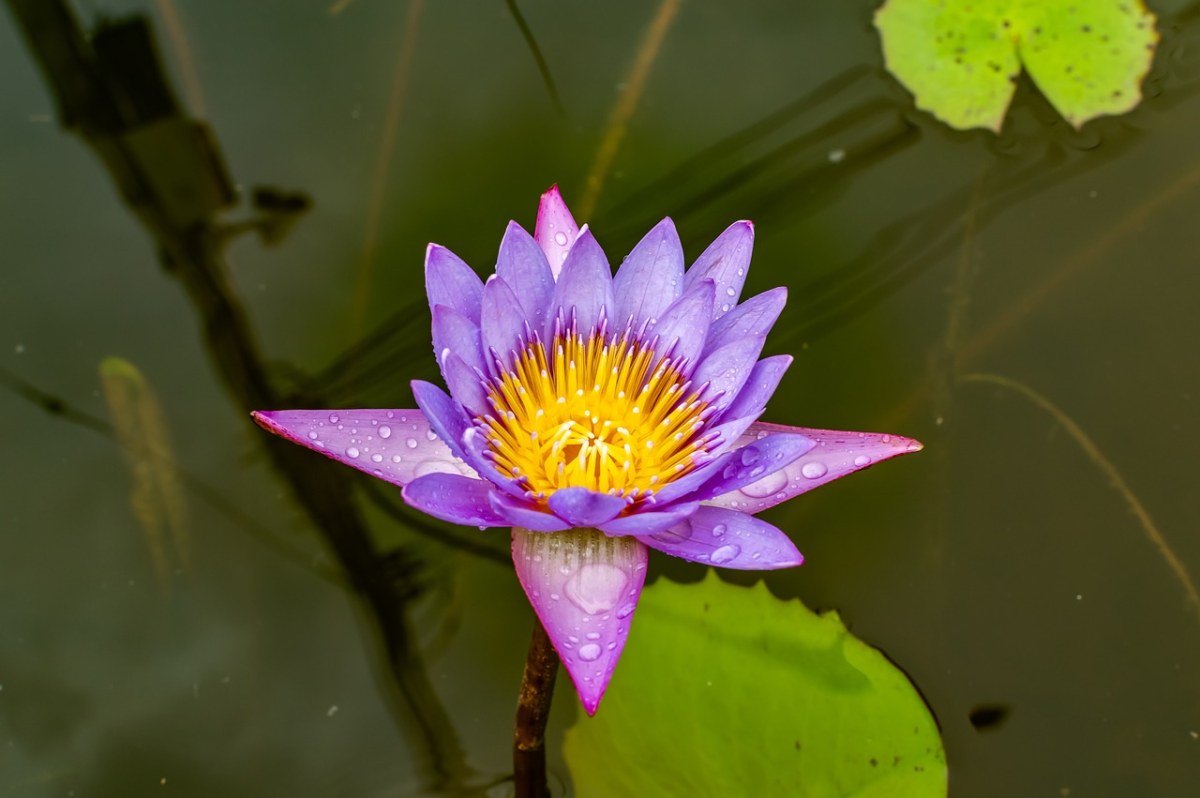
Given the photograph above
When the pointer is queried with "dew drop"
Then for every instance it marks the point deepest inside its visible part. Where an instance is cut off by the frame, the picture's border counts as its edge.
(333, 418)
(596, 587)
(312, 436)
(593, 635)
(385, 431)
(589, 652)
(396, 458)
(626, 611)
(377, 458)
(725, 307)
(431, 435)
(862, 460)
(560, 238)
(411, 443)
(719, 529)
(724, 554)
(352, 451)
(730, 291)
(775, 481)
(813, 469)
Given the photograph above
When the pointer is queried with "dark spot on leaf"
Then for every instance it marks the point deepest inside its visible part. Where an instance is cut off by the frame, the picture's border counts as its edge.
(874, 762)
(1086, 29)
(1006, 23)
(987, 717)
(798, 746)
(1116, 93)
(918, 769)
(1070, 69)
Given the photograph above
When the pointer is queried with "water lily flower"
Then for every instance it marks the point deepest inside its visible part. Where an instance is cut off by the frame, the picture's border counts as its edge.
(598, 416)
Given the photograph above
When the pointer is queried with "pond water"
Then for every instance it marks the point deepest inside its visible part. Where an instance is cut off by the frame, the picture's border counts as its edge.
(1024, 304)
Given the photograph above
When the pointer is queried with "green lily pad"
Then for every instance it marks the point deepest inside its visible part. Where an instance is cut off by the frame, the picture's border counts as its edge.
(725, 690)
(960, 57)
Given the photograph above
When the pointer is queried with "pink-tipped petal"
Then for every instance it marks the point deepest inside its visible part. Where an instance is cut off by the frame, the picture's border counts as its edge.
(584, 288)
(759, 388)
(726, 369)
(683, 326)
(725, 262)
(556, 230)
(450, 281)
(395, 445)
(454, 332)
(453, 498)
(756, 316)
(835, 455)
(728, 539)
(649, 522)
(756, 460)
(520, 513)
(522, 264)
(502, 324)
(651, 277)
(584, 587)
(581, 507)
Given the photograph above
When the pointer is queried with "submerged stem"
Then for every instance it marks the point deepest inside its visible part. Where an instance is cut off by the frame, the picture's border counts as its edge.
(533, 711)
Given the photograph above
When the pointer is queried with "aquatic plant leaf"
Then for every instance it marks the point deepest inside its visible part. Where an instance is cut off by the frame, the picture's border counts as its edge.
(156, 495)
(960, 57)
(732, 691)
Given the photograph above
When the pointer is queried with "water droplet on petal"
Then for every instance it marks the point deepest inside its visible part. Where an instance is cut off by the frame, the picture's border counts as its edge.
(411, 443)
(719, 529)
(593, 635)
(352, 451)
(560, 238)
(377, 458)
(333, 419)
(312, 436)
(862, 460)
(724, 554)
(589, 652)
(769, 484)
(396, 458)
(596, 587)
(813, 469)
(730, 291)
(385, 431)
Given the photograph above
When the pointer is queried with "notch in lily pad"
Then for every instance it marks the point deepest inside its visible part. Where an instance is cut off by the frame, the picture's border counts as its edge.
(961, 58)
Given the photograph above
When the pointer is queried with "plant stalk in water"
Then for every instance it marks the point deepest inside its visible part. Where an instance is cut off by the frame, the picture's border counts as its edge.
(533, 711)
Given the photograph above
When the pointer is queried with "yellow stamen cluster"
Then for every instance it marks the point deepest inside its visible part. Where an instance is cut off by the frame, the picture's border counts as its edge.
(608, 416)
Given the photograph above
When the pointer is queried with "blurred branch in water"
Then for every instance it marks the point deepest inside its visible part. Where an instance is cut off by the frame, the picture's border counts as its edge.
(1110, 471)
(629, 93)
(60, 408)
(110, 89)
(168, 12)
(536, 52)
(383, 166)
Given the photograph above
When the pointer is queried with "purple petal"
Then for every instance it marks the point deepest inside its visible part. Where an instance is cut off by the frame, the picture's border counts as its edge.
(725, 262)
(445, 416)
(453, 498)
(584, 287)
(581, 507)
(556, 230)
(755, 316)
(522, 264)
(466, 385)
(395, 445)
(502, 324)
(727, 368)
(836, 454)
(454, 332)
(651, 277)
(684, 324)
(647, 523)
(760, 386)
(757, 460)
(451, 282)
(584, 587)
(523, 514)
(729, 539)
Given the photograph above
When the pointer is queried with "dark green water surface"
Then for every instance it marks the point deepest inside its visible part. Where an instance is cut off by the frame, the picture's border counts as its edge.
(1025, 304)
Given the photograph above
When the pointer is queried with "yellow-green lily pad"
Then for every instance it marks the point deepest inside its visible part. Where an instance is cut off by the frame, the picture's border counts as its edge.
(960, 58)
(725, 690)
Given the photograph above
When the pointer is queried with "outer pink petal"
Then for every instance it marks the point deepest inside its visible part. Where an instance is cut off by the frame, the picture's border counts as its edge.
(556, 230)
(835, 455)
(584, 587)
(394, 445)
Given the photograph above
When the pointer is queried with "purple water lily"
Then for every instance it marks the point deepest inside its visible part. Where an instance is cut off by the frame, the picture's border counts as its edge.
(598, 416)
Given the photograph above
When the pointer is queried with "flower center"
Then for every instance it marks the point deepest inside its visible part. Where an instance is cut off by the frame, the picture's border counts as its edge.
(607, 416)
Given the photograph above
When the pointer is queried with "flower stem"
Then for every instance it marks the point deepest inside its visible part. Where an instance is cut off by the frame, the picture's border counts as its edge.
(533, 711)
